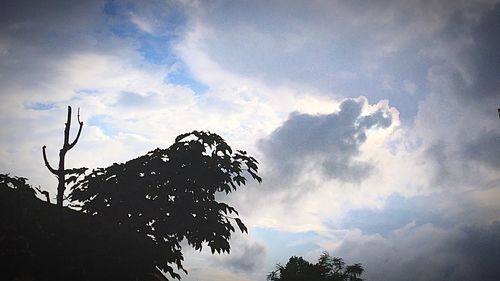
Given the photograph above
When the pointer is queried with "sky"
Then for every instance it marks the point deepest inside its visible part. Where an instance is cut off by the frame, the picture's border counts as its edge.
(374, 122)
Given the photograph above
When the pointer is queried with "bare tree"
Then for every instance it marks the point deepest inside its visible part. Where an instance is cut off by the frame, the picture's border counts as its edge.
(61, 172)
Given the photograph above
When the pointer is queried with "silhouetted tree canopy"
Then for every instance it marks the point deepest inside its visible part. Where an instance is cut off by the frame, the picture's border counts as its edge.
(41, 241)
(169, 195)
(130, 218)
(327, 268)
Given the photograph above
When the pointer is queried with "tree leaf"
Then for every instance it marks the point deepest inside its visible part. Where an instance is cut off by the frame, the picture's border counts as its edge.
(241, 226)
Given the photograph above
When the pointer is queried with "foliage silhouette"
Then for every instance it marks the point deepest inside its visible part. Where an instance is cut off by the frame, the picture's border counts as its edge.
(169, 195)
(327, 268)
(17, 183)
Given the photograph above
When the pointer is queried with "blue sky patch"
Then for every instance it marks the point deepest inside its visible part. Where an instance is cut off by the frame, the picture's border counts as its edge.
(104, 122)
(397, 212)
(39, 105)
(131, 99)
(184, 78)
(87, 91)
(156, 49)
(285, 244)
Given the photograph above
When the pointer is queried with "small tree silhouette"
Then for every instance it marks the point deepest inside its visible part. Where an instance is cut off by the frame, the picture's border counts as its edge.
(61, 172)
(327, 268)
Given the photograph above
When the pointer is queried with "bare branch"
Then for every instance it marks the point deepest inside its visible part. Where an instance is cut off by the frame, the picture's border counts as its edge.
(79, 132)
(78, 115)
(47, 164)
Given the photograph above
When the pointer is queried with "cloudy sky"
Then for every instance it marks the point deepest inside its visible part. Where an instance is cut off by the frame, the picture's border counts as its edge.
(375, 122)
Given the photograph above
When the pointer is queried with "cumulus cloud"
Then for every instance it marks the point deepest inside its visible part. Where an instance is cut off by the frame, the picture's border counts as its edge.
(327, 142)
(318, 166)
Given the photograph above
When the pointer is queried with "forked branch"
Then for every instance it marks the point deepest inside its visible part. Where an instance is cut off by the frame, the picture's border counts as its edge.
(61, 172)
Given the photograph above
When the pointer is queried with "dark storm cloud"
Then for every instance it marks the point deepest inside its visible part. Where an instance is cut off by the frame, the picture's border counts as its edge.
(425, 252)
(466, 90)
(480, 59)
(470, 69)
(330, 142)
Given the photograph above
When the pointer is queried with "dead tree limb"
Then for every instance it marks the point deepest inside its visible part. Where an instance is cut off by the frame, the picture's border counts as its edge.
(61, 172)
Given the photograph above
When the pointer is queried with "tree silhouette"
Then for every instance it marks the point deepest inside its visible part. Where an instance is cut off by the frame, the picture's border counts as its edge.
(169, 195)
(128, 220)
(327, 268)
(41, 241)
(61, 172)
(132, 217)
